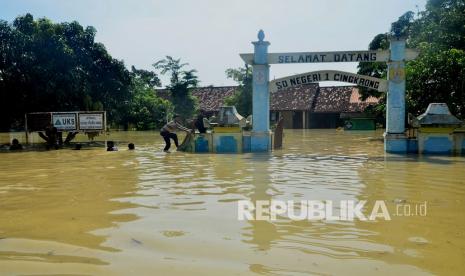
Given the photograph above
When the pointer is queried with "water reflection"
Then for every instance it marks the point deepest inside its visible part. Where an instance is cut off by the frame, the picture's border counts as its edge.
(427, 242)
(51, 202)
(262, 189)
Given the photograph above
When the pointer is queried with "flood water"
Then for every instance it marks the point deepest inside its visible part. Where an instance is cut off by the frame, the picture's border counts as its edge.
(144, 212)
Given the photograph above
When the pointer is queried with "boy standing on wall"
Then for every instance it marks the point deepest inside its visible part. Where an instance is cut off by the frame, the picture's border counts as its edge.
(168, 132)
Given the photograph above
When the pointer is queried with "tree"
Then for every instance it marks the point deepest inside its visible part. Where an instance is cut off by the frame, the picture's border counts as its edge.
(401, 28)
(374, 69)
(441, 23)
(46, 66)
(181, 84)
(438, 74)
(242, 99)
(145, 109)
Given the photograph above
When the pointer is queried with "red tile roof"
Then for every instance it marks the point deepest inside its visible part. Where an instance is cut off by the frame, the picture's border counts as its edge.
(355, 97)
(294, 98)
(333, 99)
(310, 97)
(212, 98)
(357, 105)
(337, 99)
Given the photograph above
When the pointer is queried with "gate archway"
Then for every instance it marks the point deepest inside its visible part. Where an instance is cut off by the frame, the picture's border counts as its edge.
(394, 137)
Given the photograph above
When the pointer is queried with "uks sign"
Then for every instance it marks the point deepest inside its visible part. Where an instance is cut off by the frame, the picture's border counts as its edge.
(64, 121)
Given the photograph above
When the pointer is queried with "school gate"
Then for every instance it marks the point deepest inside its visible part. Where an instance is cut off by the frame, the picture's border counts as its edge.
(395, 139)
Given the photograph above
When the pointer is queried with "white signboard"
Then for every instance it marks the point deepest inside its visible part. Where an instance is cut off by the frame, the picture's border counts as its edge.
(91, 121)
(64, 121)
(328, 75)
(338, 56)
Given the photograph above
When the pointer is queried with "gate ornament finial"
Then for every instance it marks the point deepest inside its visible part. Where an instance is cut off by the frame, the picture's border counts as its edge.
(261, 35)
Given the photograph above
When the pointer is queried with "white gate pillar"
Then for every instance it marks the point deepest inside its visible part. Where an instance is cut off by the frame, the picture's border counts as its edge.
(261, 135)
(395, 140)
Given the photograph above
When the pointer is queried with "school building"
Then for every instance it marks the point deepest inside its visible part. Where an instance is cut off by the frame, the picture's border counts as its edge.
(304, 106)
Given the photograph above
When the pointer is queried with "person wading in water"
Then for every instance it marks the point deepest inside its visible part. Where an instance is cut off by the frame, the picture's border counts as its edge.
(168, 132)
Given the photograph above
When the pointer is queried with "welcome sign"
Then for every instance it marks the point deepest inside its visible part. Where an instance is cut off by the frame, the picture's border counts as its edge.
(335, 56)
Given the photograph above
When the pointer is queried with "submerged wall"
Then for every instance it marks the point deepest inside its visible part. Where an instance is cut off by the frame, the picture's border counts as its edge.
(438, 141)
(221, 142)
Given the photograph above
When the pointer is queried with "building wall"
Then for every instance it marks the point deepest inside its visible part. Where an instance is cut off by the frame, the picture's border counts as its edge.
(306, 119)
(325, 120)
(297, 120)
(292, 119)
(287, 117)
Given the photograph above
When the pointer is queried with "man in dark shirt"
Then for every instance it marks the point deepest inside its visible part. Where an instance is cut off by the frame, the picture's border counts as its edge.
(199, 124)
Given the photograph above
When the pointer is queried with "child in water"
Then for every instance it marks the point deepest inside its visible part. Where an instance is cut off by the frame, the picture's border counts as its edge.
(111, 146)
(15, 145)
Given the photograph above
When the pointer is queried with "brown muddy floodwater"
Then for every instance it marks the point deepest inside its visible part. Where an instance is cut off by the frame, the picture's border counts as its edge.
(92, 212)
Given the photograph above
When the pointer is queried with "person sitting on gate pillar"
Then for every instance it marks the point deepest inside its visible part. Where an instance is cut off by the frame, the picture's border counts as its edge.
(168, 132)
(201, 123)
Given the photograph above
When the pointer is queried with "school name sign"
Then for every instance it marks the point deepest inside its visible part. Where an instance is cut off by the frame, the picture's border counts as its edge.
(335, 56)
(328, 75)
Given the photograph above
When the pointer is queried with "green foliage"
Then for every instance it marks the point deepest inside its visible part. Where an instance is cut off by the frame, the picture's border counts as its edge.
(374, 69)
(145, 109)
(56, 67)
(438, 74)
(242, 99)
(442, 23)
(46, 66)
(181, 84)
(401, 28)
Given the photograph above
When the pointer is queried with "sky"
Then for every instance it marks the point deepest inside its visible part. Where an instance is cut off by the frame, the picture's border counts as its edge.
(210, 34)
